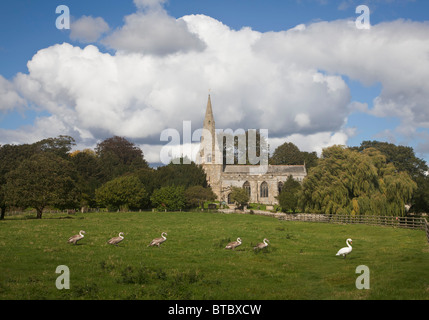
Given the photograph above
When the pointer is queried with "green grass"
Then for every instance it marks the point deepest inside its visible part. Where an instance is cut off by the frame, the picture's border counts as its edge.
(300, 263)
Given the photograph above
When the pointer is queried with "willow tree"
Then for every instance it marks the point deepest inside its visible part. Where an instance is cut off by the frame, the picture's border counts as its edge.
(346, 181)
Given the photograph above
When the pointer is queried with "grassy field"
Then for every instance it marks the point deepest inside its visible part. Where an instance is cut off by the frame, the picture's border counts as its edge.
(193, 264)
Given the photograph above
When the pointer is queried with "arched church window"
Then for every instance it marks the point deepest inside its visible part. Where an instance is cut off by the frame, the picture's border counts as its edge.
(230, 201)
(246, 187)
(209, 158)
(264, 190)
(280, 187)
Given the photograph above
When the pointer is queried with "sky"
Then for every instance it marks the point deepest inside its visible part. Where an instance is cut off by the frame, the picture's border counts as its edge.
(303, 69)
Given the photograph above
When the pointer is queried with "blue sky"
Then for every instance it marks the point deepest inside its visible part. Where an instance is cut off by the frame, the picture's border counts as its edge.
(29, 26)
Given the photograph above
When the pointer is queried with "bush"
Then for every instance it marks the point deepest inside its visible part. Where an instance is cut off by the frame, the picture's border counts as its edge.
(122, 193)
(169, 198)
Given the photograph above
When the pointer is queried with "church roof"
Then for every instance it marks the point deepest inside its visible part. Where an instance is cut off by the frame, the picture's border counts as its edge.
(272, 169)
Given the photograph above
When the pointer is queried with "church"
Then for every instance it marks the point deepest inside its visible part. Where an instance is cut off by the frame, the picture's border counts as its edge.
(262, 186)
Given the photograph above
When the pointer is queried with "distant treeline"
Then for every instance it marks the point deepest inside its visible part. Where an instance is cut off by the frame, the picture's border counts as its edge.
(375, 178)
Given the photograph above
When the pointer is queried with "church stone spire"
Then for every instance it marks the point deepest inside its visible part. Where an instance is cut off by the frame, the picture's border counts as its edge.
(209, 122)
(208, 143)
(210, 155)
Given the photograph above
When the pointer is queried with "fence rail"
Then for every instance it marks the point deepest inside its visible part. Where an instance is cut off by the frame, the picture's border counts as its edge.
(409, 222)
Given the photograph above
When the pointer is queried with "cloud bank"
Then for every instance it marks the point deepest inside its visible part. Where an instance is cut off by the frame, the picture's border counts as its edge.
(289, 82)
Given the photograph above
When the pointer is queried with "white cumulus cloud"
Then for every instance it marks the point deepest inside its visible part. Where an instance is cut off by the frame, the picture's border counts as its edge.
(289, 82)
(9, 97)
(153, 32)
(88, 29)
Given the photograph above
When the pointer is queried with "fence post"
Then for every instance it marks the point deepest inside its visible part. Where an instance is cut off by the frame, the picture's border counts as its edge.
(426, 228)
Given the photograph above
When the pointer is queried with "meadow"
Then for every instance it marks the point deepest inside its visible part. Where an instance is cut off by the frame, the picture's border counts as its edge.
(192, 264)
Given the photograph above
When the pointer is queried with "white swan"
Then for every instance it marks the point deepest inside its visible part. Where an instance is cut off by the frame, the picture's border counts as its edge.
(116, 240)
(262, 245)
(158, 241)
(234, 244)
(346, 250)
(74, 239)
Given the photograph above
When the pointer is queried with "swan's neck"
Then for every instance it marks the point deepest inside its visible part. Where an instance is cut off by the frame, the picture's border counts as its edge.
(163, 236)
(348, 244)
(265, 242)
(80, 233)
(121, 236)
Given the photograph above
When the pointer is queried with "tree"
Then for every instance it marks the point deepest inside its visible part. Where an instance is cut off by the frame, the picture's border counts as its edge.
(90, 173)
(239, 196)
(119, 156)
(149, 178)
(289, 154)
(171, 198)
(122, 193)
(60, 146)
(2, 203)
(44, 179)
(420, 201)
(349, 182)
(196, 195)
(186, 175)
(404, 159)
(288, 197)
(11, 156)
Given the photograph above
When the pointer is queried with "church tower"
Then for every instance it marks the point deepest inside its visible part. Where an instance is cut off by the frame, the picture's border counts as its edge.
(210, 156)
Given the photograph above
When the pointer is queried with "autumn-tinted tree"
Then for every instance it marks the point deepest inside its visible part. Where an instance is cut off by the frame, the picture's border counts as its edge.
(43, 180)
(349, 182)
(119, 156)
(288, 197)
(122, 193)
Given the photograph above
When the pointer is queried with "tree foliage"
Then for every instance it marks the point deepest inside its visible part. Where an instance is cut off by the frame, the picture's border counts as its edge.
(60, 146)
(404, 159)
(289, 154)
(10, 158)
(186, 175)
(350, 182)
(45, 179)
(90, 174)
(122, 193)
(239, 196)
(288, 197)
(118, 156)
(171, 198)
(197, 195)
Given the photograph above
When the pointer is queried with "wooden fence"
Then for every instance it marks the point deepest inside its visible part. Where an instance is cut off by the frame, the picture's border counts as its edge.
(409, 222)
(427, 229)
